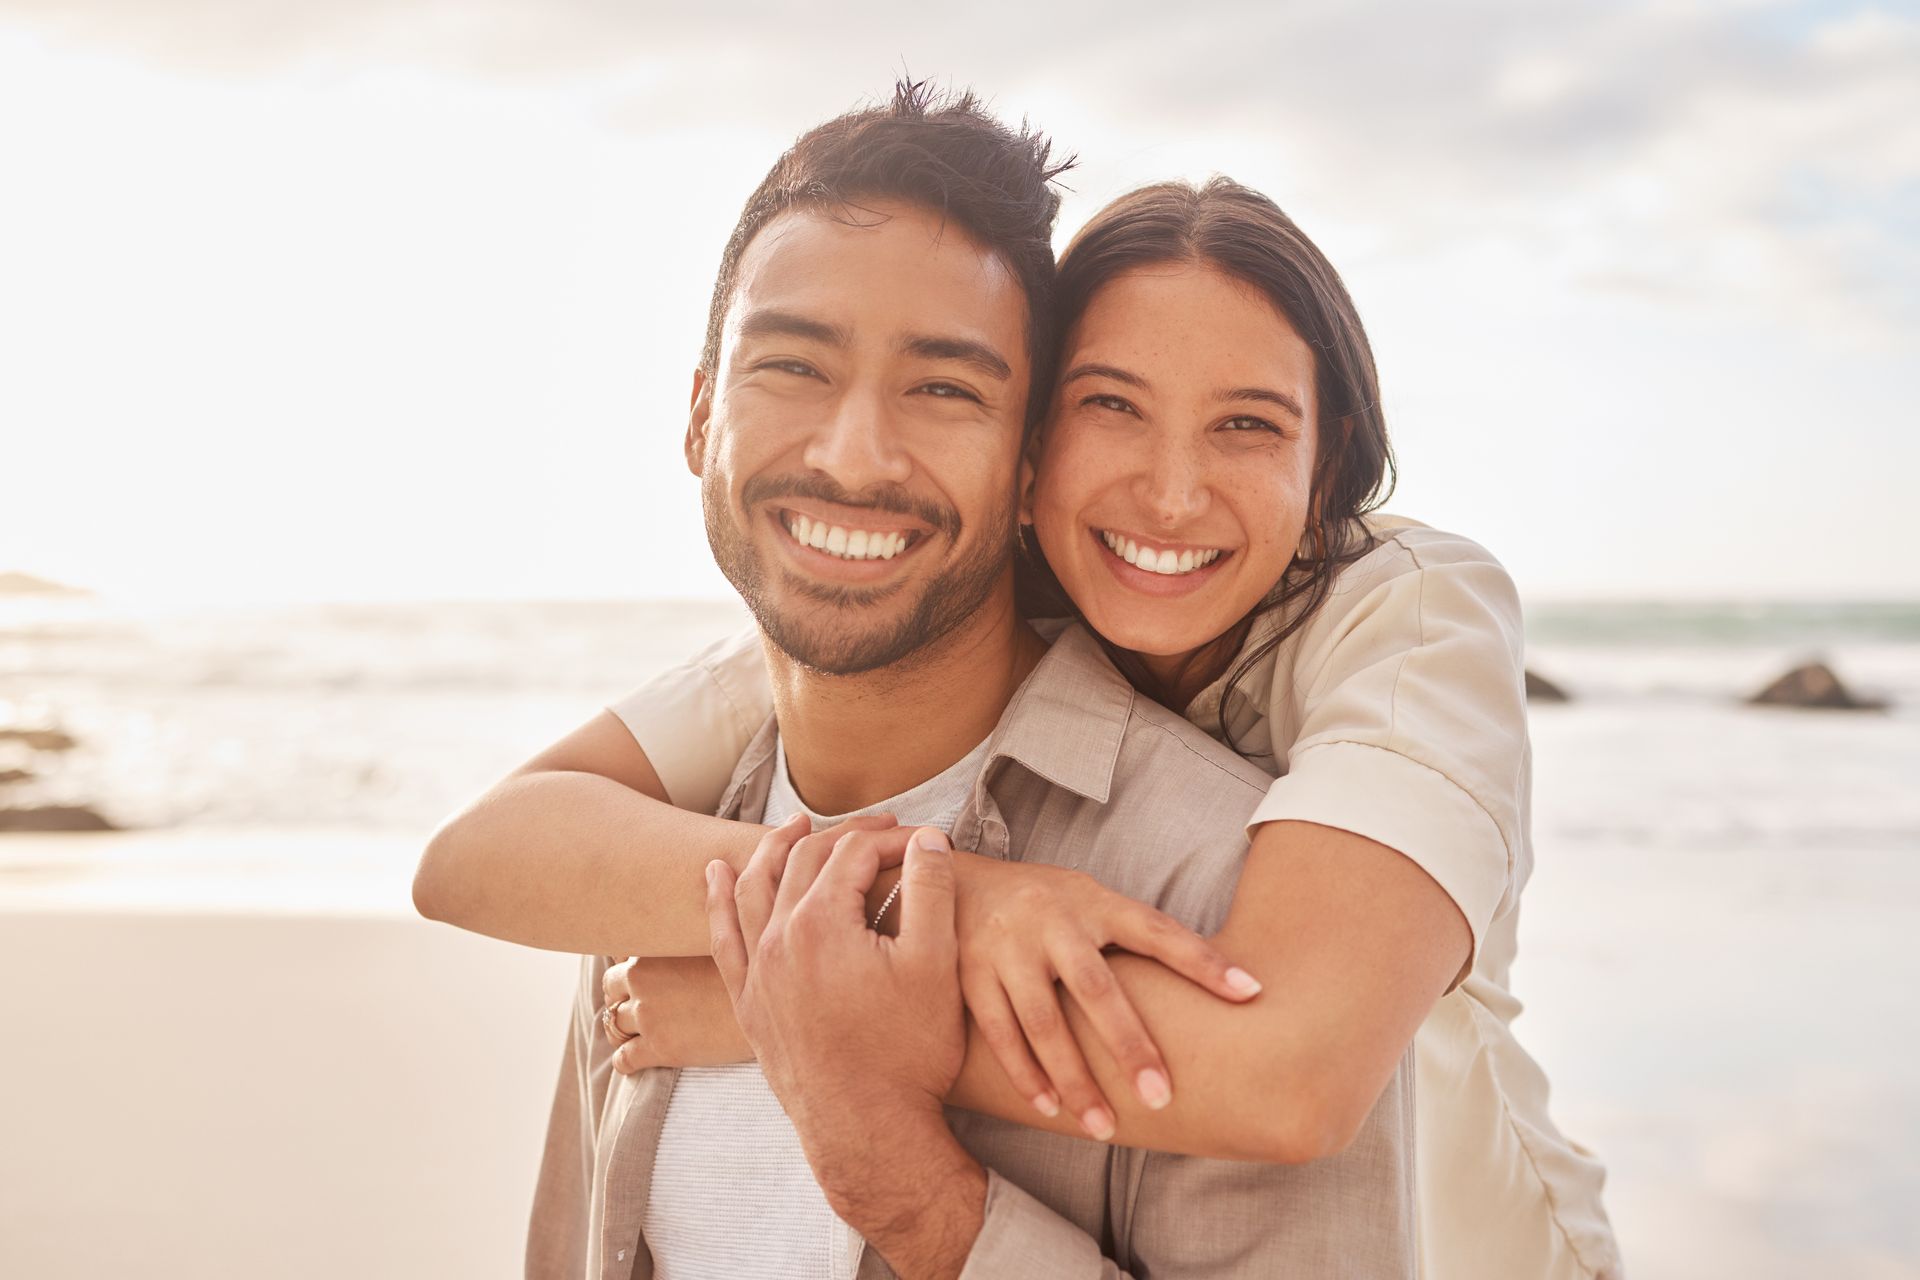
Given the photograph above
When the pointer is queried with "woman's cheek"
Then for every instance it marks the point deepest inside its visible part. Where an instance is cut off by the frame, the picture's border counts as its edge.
(1065, 479)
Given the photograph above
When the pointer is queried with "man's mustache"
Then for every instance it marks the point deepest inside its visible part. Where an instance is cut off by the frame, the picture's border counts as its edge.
(890, 498)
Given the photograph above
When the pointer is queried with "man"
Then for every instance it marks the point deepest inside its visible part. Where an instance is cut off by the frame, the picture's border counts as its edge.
(877, 331)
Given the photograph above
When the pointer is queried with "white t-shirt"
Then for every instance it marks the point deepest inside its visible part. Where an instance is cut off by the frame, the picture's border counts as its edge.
(1397, 713)
(732, 1193)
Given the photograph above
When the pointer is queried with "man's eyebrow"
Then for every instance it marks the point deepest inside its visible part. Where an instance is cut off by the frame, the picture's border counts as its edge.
(770, 322)
(1104, 371)
(1280, 398)
(968, 352)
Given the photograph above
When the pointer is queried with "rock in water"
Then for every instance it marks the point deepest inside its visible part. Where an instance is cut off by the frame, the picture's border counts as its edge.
(1541, 689)
(1812, 685)
(49, 739)
(54, 817)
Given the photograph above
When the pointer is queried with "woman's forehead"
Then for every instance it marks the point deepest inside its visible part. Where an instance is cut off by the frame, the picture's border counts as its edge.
(1187, 324)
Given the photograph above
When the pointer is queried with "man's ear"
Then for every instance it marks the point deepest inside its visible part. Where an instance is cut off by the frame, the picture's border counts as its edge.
(699, 411)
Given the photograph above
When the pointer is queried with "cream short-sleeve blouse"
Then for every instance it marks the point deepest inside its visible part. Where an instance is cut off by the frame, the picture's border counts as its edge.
(1397, 713)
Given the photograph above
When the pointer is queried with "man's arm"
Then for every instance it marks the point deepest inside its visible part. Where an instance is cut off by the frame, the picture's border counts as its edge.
(860, 1038)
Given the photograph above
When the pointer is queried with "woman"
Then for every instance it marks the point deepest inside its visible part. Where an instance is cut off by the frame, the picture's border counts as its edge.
(1198, 495)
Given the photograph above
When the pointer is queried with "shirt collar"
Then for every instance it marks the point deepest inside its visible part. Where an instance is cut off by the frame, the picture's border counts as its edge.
(1067, 721)
(1065, 724)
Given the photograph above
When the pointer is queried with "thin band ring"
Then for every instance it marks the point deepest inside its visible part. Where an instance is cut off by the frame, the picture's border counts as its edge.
(611, 1029)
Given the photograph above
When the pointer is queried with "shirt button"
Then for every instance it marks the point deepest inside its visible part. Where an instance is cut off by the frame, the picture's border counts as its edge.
(620, 1256)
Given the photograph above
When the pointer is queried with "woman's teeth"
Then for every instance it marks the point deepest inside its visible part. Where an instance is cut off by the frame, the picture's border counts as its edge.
(1158, 561)
(848, 544)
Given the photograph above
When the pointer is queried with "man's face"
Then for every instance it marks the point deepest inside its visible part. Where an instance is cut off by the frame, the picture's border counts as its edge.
(858, 443)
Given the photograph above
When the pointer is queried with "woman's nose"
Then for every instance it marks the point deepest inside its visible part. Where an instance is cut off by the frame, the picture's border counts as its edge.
(1173, 488)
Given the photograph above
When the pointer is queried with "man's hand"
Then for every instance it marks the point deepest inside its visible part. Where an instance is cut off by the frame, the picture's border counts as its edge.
(860, 1036)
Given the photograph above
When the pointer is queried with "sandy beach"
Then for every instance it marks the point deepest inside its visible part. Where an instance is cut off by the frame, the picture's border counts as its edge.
(272, 1081)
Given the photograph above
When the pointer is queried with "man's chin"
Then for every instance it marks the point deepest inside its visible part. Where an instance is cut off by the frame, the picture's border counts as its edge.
(835, 644)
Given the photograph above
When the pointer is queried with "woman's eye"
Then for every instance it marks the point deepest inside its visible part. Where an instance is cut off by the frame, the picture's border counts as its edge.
(1247, 423)
(1114, 403)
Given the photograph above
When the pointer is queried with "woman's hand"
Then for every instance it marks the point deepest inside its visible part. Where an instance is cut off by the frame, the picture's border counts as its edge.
(1024, 925)
(670, 1012)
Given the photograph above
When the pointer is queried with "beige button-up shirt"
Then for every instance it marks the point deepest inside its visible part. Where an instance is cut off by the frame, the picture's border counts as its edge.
(1082, 773)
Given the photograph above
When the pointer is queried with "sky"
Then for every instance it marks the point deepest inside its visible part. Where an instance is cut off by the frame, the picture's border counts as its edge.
(401, 299)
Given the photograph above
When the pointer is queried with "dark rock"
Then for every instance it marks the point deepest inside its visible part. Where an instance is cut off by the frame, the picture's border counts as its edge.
(54, 817)
(41, 739)
(15, 775)
(1813, 685)
(1541, 689)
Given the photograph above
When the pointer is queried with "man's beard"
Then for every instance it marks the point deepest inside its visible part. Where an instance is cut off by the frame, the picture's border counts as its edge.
(836, 645)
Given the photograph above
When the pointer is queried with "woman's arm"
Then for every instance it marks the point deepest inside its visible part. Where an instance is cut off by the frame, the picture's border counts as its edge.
(1354, 940)
(578, 850)
(1354, 944)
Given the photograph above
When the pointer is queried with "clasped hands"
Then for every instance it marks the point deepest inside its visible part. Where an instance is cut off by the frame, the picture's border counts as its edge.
(1005, 939)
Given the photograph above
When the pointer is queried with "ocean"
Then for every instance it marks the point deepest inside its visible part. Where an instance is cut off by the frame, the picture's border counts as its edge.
(388, 716)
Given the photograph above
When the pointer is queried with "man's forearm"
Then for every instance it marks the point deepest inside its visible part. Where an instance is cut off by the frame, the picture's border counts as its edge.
(915, 1194)
(580, 863)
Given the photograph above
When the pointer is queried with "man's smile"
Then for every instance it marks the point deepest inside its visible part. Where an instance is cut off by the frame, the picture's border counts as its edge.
(856, 545)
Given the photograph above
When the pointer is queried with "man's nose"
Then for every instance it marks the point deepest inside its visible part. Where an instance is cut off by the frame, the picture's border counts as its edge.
(860, 445)
(1173, 487)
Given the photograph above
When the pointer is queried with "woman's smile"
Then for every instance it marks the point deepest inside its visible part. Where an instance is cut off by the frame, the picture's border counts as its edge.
(1158, 568)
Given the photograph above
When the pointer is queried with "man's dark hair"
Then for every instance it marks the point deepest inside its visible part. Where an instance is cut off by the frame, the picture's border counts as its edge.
(933, 149)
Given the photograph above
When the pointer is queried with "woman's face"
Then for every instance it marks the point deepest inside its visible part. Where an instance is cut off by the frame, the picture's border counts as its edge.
(1173, 481)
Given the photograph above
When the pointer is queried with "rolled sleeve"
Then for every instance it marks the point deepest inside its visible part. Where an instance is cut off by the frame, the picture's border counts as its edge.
(1022, 1237)
(695, 720)
(1403, 804)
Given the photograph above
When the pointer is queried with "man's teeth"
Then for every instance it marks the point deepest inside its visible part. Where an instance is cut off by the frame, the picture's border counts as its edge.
(848, 544)
(1158, 561)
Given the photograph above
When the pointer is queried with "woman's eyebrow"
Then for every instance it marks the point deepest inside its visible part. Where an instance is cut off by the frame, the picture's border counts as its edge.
(1280, 398)
(1104, 371)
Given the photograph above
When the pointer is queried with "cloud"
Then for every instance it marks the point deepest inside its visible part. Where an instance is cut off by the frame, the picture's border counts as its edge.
(1760, 155)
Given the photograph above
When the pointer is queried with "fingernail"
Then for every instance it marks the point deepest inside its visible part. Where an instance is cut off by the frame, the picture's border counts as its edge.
(1243, 982)
(932, 839)
(1153, 1088)
(1047, 1105)
(1098, 1121)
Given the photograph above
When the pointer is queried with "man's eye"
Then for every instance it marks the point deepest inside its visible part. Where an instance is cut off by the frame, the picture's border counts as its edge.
(948, 391)
(799, 368)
